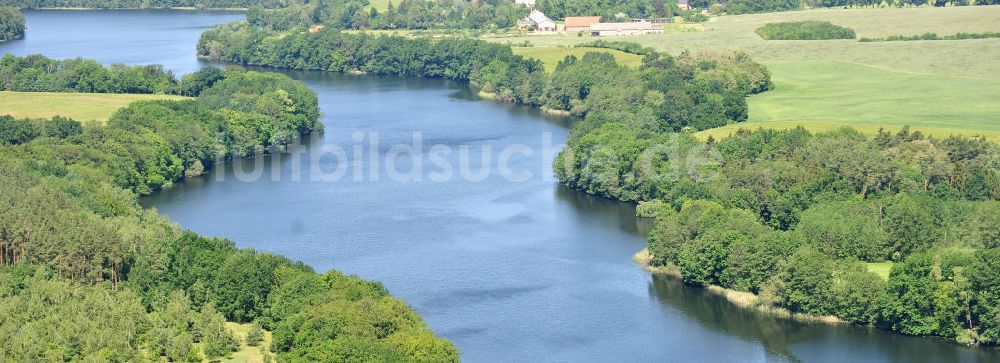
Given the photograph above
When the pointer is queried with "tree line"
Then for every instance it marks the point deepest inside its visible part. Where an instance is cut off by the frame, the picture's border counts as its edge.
(11, 24)
(87, 274)
(667, 93)
(37, 73)
(401, 14)
(608, 9)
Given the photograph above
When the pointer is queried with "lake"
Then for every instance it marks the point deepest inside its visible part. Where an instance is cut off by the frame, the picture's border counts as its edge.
(507, 264)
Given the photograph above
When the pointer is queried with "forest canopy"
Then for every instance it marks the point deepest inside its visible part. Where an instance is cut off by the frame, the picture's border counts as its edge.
(797, 217)
(37, 73)
(131, 286)
(11, 24)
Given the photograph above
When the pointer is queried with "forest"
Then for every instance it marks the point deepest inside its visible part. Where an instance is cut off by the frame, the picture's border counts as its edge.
(405, 14)
(11, 24)
(86, 274)
(796, 218)
(668, 93)
(37, 73)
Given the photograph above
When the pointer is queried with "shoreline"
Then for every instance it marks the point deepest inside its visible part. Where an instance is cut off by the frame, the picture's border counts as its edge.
(741, 299)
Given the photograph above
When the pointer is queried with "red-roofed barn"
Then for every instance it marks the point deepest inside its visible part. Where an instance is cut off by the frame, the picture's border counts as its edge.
(581, 23)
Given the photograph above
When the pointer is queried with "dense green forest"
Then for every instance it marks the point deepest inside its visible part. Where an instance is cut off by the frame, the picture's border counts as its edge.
(701, 92)
(405, 14)
(11, 24)
(142, 4)
(794, 216)
(36, 73)
(86, 274)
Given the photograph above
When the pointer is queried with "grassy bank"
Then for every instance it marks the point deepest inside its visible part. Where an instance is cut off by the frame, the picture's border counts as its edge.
(78, 106)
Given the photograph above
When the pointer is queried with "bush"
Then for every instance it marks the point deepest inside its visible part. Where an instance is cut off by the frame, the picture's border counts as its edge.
(804, 30)
(649, 209)
(255, 335)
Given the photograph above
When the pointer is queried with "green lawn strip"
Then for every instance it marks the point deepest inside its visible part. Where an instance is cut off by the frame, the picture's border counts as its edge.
(78, 106)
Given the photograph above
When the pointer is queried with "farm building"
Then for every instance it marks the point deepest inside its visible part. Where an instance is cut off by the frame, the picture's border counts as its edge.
(581, 23)
(537, 21)
(683, 5)
(616, 29)
(654, 20)
(528, 3)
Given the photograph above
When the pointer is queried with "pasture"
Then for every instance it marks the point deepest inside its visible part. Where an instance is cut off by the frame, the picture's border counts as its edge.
(940, 87)
(78, 106)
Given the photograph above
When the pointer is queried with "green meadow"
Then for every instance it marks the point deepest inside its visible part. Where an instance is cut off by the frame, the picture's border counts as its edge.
(823, 95)
(551, 56)
(77, 106)
(939, 87)
(246, 353)
(881, 269)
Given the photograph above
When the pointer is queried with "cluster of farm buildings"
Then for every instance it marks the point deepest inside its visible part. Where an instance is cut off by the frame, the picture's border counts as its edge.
(539, 23)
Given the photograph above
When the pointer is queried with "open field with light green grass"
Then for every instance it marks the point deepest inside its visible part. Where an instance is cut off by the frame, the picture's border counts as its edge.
(247, 354)
(827, 95)
(941, 87)
(551, 56)
(880, 268)
(78, 106)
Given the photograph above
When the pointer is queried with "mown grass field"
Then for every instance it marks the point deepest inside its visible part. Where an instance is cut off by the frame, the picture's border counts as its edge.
(551, 56)
(817, 96)
(940, 87)
(78, 106)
